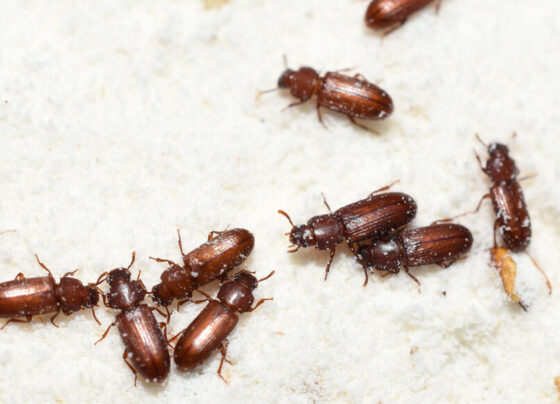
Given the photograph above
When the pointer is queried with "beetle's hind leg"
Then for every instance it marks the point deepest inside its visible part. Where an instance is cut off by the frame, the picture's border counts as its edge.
(17, 320)
(223, 351)
(125, 355)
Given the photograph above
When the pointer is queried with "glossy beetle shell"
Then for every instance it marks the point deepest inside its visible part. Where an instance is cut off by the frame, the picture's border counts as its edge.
(219, 255)
(377, 215)
(144, 342)
(382, 14)
(27, 297)
(204, 334)
(512, 215)
(436, 243)
(354, 97)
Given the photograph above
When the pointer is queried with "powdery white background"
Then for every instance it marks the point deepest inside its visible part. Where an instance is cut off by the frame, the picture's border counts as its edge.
(122, 121)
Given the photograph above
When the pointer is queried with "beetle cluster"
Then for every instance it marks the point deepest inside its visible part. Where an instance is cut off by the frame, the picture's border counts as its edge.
(144, 338)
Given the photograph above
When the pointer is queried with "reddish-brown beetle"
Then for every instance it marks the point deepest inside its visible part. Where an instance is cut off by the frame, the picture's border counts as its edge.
(435, 244)
(369, 218)
(142, 336)
(214, 259)
(27, 297)
(391, 14)
(354, 97)
(214, 323)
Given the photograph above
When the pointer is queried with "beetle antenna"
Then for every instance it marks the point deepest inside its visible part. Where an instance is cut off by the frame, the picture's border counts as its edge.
(259, 93)
(101, 278)
(287, 217)
(132, 261)
(266, 277)
(297, 247)
(480, 140)
(285, 60)
(535, 263)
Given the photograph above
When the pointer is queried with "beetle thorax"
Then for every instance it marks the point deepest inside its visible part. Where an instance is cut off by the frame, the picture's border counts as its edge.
(123, 293)
(237, 295)
(71, 295)
(302, 83)
(385, 255)
(500, 167)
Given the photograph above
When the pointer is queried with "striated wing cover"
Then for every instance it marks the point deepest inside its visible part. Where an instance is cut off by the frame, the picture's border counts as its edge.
(436, 243)
(377, 215)
(219, 255)
(512, 215)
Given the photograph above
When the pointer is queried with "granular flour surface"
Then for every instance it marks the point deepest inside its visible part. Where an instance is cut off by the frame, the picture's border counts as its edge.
(123, 121)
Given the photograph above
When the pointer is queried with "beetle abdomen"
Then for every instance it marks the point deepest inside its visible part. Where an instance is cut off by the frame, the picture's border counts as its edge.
(436, 243)
(27, 297)
(354, 97)
(512, 215)
(203, 335)
(219, 255)
(144, 342)
(376, 215)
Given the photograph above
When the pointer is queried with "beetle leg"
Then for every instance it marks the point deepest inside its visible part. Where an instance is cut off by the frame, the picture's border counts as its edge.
(446, 264)
(326, 203)
(450, 219)
(180, 242)
(17, 320)
(141, 283)
(67, 274)
(43, 265)
(413, 277)
(385, 188)
(360, 76)
(331, 257)
(173, 338)
(53, 317)
(359, 259)
(293, 104)
(19, 276)
(259, 303)
(124, 356)
(8, 231)
(393, 27)
(527, 177)
(223, 350)
(164, 260)
(94, 316)
(320, 116)
(364, 127)
(159, 312)
(104, 334)
(438, 5)
(535, 263)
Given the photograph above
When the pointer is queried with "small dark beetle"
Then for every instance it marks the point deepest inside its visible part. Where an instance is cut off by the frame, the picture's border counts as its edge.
(212, 260)
(391, 14)
(214, 323)
(433, 244)
(27, 297)
(369, 218)
(354, 97)
(142, 336)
